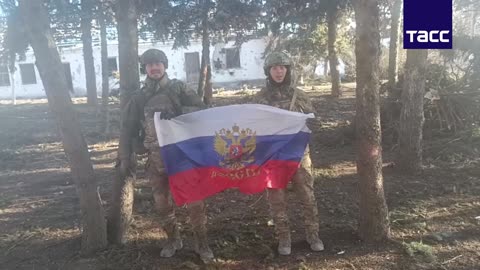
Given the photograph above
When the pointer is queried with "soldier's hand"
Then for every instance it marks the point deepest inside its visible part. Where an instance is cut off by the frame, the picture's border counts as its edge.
(166, 115)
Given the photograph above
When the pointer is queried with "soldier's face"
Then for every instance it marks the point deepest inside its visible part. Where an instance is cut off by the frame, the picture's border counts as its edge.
(278, 73)
(155, 70)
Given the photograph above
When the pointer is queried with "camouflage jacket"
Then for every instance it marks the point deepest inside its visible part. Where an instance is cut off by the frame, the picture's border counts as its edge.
(281, 97)
(138, 128)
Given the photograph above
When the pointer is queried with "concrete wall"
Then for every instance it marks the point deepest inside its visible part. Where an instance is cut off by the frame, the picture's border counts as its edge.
(250, 69)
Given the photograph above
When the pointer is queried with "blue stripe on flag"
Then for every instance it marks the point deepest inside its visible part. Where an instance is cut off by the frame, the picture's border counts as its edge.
(200, 152)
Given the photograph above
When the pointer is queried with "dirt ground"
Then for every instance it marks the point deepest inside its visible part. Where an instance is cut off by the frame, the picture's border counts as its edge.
(435, 216)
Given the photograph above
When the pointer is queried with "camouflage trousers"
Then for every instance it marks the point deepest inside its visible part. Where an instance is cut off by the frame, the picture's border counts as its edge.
(303, 187)
(164, 203)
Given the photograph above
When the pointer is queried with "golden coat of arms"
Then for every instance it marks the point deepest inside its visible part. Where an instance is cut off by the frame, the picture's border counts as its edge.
(235, 147)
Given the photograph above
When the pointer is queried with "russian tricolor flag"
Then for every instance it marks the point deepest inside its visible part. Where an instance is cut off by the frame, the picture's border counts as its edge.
(250, 147)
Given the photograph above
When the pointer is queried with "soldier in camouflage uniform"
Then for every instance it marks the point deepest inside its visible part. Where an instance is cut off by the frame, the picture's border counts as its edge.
(171, 98)
(279, 92)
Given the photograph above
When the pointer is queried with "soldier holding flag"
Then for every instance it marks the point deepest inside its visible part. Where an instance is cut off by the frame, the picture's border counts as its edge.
(171, 98)
(280, 92)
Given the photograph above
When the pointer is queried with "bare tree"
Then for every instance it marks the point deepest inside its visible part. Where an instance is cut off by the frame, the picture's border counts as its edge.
(373, 223)
(393, 49)
(205, 79)
(120, 215)
(126, 16)
(86, 26)
(332, 21)
(409, 155)
(51, 71)
(105, 69)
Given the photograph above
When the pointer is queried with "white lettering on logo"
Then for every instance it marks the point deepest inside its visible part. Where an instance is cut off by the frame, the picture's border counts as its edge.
(432, 39)
(444, 32)
(423, 36)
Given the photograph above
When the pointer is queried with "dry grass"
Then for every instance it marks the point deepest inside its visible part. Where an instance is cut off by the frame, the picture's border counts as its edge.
(434, 214)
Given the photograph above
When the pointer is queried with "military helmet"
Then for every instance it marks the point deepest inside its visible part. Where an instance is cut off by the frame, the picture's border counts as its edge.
(153, 56)
(276, 59)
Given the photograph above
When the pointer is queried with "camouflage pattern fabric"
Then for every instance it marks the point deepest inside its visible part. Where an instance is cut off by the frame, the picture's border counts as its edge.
(137, 116)
(280, 96)
(276, 59)
(138, 125)
(154, 56)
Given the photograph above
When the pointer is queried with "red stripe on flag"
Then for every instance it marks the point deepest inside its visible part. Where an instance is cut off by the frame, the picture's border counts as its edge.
(200, 183)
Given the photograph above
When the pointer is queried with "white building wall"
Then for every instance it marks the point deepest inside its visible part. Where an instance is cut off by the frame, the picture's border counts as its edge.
(251, 66)
(29, 90)
(251, 62)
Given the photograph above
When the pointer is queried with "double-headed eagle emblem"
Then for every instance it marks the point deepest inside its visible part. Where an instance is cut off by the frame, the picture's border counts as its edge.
(235, 147)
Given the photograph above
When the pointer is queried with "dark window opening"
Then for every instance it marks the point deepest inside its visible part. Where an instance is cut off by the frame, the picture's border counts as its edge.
(233, 57)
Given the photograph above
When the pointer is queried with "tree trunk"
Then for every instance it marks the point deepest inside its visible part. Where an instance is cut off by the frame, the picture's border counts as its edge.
(207, 99)
(409, 156)
(120, 215)
(373, 222)
(105, 75)
(126, 16)
(55, 82)
(86, 26)
(325, 69)
(205, 79)
(12, 86)
(393, 49)
(474, 22)
(332, 18)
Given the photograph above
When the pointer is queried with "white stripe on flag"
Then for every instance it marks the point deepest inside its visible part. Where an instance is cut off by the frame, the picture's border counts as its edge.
(263, 119)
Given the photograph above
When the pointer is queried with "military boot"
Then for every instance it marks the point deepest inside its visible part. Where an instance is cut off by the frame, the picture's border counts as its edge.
(284, 244)
(201, 246)
(174, 242)
(315, 242)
